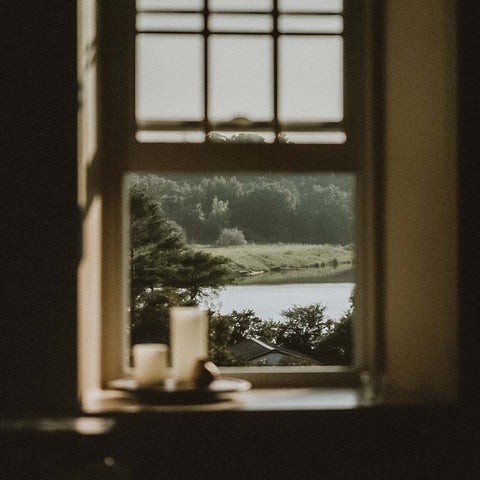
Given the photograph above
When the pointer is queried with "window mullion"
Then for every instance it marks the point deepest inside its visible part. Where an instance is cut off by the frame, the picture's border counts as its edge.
(275, 69)
(206, 36)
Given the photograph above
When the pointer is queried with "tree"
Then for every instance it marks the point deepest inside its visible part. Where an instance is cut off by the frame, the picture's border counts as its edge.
(264, 212)
(164, 271)
(304, 328)
(336, 348)
(219, 216)
(196, 271)
(150, 319)
(153, 239)
(324, 216)
(230, 237)
(228, 330)
(220, 330)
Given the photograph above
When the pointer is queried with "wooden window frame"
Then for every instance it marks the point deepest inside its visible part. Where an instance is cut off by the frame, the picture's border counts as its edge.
(118, 152)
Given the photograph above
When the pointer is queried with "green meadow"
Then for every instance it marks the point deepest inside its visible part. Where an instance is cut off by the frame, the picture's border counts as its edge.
(286, 263)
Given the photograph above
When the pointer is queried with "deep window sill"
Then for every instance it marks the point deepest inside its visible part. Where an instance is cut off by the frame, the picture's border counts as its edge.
(258, 399)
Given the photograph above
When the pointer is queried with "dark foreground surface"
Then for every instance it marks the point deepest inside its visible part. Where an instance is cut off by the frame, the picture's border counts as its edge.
(377, 443)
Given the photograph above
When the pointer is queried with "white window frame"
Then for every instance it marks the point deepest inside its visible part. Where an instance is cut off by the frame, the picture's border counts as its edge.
(118, 153)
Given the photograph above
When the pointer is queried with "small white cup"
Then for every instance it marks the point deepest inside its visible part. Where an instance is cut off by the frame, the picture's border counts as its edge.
(150, 360)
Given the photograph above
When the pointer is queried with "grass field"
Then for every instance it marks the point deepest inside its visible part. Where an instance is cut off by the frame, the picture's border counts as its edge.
(251, 259)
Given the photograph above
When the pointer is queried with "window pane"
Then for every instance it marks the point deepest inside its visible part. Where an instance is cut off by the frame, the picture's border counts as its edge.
(313, 23)
(169, 77)
(314, 137)
(311, 78)
(241, 5)
(170, 137)
(327, 6)
(247, 23)
(169, 21)
(240, 78)
(169, 5)
(271, 256)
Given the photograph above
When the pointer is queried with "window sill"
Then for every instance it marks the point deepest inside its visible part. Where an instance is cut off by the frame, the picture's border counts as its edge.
(257, 400)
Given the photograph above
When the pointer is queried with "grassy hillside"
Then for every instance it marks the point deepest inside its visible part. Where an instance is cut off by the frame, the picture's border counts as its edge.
(248, 259)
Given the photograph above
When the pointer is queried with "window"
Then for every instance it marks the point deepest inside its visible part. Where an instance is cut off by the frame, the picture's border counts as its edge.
(228, 88)
(271, 256)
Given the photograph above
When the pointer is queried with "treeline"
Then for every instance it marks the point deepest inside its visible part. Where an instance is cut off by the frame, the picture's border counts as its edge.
(312, 209)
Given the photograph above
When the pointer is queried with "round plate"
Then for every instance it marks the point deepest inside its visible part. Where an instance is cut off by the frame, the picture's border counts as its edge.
(182, 393)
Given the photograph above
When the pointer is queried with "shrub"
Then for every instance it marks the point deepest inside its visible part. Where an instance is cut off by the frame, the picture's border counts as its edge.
(231, 236)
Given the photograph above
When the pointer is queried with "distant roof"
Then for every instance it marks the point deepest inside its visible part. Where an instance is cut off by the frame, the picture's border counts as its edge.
(253, 349)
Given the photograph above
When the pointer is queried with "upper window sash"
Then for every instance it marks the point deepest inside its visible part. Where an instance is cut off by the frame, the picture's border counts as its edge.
(287, 23)
(119, 127)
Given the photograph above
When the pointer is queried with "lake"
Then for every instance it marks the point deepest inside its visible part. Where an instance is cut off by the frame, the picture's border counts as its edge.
(267, 301)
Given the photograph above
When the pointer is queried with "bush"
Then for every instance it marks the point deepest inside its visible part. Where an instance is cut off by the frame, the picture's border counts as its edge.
(231, 236)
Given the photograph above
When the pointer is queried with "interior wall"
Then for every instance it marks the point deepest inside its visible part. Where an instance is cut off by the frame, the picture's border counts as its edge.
(420, 197)
(469, 199)
(39, 221)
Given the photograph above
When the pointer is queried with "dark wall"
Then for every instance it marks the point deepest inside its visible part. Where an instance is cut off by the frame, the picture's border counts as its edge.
(469, 198)
(38, 197)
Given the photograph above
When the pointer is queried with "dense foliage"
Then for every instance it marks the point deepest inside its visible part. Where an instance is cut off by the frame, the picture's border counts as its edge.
(266, 209)
(305, 330)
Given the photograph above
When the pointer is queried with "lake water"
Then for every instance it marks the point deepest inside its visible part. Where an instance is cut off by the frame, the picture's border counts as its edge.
(267, 301)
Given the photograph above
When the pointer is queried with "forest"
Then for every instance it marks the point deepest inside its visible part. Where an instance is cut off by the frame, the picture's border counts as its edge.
(307, 209)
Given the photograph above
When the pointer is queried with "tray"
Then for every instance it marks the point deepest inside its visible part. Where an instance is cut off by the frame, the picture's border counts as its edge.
(170, 392)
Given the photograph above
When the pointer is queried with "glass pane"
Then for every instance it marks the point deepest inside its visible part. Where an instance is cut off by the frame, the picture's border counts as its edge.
(241, 137)
(241, 5)
(314, 137)
(240, 78)
(169, 77)
(170, 137)
(311, 78)
(271, 256)
(310, 23)
(245, 23)
(169, 5)
(169, 21)
(326, 6)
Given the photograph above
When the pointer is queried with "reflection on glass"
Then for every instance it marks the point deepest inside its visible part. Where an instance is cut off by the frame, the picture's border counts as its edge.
(169, 77)
(170, 137)
(326, 6)
(241, 5)
(169, 5)
(247, 23)
(311, 78)
(169, 21)
(314, 137)
(313, 23)
(240, 74)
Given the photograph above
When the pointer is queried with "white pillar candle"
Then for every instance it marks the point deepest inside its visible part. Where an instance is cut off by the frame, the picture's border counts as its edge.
(188, 340)
(150, 360)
